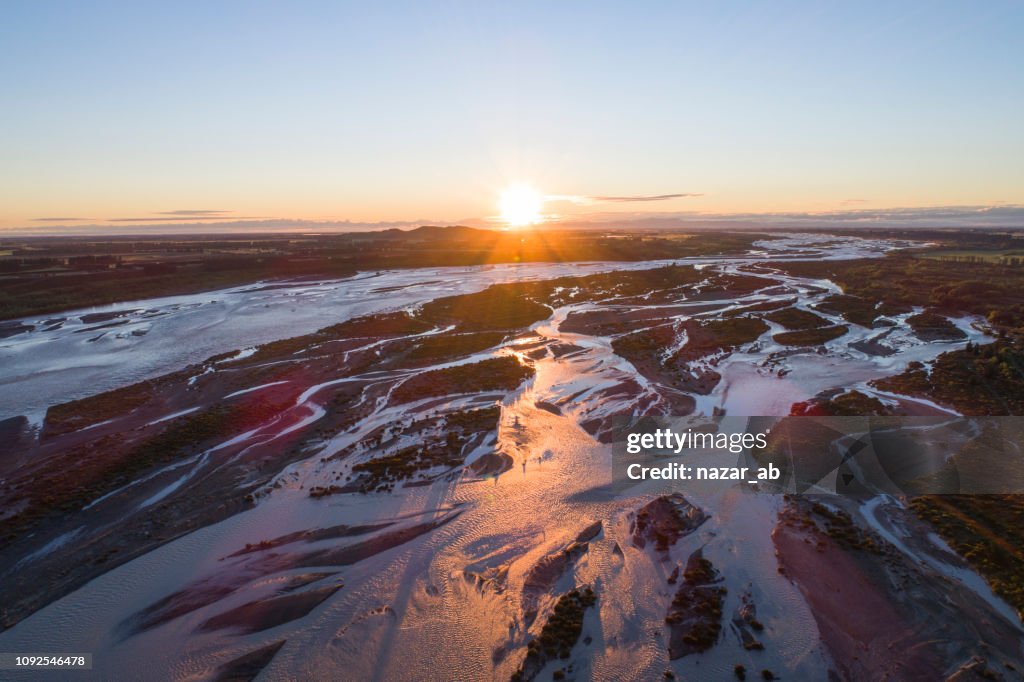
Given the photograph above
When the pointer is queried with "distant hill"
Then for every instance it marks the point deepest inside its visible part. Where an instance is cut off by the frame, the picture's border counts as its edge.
(437, 232)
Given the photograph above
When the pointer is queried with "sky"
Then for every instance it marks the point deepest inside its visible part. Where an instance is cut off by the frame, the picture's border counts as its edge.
(137, 114)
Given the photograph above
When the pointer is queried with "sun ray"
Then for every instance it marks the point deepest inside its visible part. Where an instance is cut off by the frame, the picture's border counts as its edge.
(520, 206)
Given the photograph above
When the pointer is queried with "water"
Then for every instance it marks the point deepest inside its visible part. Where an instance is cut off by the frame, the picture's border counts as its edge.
(410, 612)
(63, 358)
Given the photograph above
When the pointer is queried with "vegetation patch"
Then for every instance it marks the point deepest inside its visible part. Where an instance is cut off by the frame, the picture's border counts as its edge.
(811, 337)
(108, 463)
(900, 281)
(797, 318)
(930, 326)
(847, 404)
(642, 282)
(495, 374)
(118, 269)
(853, 308)
(78, 414)
(647, 348)
(559, 634)
(500, 306)
(694, 618)
(840, 527)
(988, 531)
(975, 380)
(646, 343)
(746, 624)
(447, 451)
(729, 285)
(712, 336)
(376, 326)
(440, 346)
(1013, 257)
(383, 472)
(759, 307)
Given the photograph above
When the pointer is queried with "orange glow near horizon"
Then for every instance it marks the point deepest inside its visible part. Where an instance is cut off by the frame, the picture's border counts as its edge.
(521, 206)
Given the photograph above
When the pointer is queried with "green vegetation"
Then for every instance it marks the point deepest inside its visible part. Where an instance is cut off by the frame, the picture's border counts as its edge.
(474, 421)
(78, 414)
(381, 473)
(377, 326)
(646, 342)
(976, 380)
(500, 306)
(559, 634)
(646, 348)
(853, 309)
(404, 464)
(40, 277)
(642, 282)
(656, 285)
(930, 326)
(186, 435)
(27, 296)
(441, 346)
(732, 284)
(796, 318)
(496, 374)
(988, 531)
(758, 307)
(711, 336)
(700, 571)
(108, 463)
(900, 281)
(841, 528)
(811, 337)
(1013, 257)
(848, 404)
(371, 326)
(282, 348)
(695, 615)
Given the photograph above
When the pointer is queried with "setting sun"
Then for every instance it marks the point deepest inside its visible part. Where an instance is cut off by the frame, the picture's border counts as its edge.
(521, 205)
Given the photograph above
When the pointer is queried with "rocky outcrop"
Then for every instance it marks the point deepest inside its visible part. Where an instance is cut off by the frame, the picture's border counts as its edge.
(664, 520)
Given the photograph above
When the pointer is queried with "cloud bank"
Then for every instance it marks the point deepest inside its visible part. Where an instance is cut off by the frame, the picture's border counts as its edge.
(1003, 216)
(998, 216)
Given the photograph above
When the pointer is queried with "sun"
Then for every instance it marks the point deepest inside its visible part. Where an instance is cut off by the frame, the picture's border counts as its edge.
(521, 205)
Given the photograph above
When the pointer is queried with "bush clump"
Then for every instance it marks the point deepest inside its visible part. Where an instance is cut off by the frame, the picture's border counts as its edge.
(559, 634)
(496, 374)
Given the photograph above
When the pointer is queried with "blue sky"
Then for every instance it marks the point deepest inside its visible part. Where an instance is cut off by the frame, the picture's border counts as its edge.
(425, 111)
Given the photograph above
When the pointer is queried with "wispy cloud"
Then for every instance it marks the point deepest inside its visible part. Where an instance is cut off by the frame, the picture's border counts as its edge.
(187, 214)
(171, 218)
(647, 197)
(199, 213)
(158, 216)
(240, 225)
(625, 198)
(852, 202)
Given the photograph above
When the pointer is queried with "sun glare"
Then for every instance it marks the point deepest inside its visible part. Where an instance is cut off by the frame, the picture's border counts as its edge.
(520, 206)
